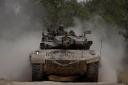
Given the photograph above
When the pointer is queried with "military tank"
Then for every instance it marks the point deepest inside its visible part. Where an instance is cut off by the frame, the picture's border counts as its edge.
(64, 56)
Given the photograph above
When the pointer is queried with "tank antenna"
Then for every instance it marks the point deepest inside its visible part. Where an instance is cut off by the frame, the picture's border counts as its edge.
(101, 47)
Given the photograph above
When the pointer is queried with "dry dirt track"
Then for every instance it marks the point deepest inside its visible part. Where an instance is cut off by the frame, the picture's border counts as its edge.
(3, 82)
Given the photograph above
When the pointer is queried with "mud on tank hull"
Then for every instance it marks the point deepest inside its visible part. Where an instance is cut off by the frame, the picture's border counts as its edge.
(45, 67)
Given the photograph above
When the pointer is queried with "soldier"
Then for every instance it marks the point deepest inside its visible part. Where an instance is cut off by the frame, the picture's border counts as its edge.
(43, 37)
(60, 30)
(72, 33)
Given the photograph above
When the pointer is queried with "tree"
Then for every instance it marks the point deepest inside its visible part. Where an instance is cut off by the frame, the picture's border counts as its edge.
(62, 12)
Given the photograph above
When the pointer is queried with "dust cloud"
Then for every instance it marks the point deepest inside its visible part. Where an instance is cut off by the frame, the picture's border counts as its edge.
(20, 33)
(107, 43)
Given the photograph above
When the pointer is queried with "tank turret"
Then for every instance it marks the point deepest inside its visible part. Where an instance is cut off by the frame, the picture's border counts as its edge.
(60, 39)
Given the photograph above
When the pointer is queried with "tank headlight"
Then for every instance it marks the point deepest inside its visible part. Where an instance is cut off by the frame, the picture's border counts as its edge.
(37, 52)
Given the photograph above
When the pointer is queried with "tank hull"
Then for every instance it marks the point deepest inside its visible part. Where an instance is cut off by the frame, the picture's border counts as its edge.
(47, 65)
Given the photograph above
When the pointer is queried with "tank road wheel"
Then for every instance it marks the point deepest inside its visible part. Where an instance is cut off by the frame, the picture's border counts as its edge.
(37, 72)
(92, 72)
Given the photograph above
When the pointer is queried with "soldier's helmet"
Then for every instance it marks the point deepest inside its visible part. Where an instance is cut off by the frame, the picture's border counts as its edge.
(72, 33)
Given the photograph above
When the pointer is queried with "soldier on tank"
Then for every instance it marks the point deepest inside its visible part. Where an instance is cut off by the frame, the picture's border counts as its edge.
(43, 37)
(60, 30)
(51, 33)
(72, 33)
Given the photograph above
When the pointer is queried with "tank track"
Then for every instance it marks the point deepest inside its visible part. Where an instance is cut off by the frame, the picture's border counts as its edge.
(92, 72)
(37, 72)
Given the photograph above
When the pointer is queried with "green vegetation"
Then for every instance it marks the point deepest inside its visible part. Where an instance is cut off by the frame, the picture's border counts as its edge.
(63, 11)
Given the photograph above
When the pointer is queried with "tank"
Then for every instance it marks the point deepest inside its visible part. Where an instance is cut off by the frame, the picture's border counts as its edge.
(64, 56)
